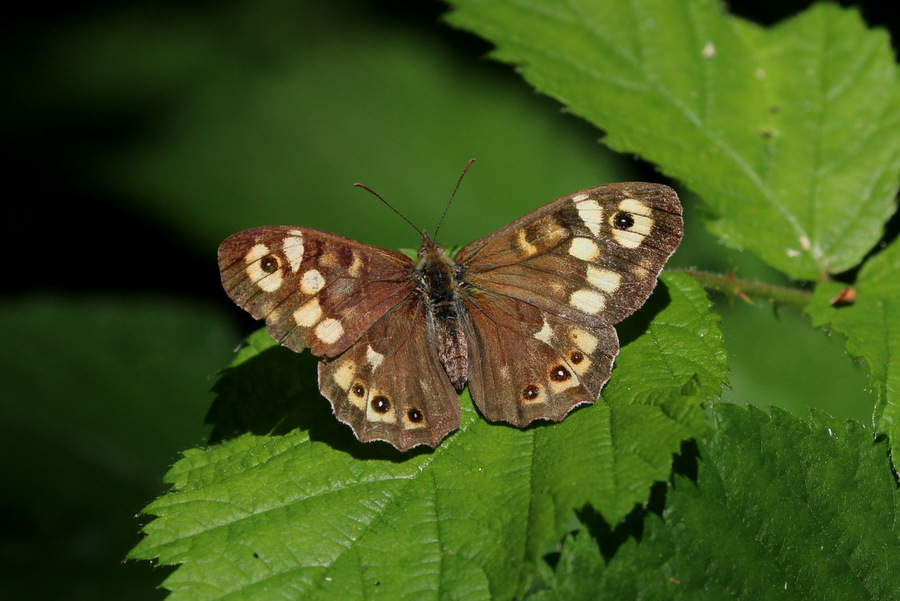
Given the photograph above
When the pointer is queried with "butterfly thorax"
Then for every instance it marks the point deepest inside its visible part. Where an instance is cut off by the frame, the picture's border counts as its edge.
(438, 285)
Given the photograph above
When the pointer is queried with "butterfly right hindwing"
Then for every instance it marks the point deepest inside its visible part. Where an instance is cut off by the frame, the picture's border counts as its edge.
(528, 364)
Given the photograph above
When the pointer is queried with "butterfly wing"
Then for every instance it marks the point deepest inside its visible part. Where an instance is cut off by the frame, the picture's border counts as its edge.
(314, 289)
(355, 306)
(390, 385)
(544, 292)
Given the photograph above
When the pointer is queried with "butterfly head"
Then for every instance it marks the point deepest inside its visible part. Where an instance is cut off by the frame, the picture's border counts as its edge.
(431, 253)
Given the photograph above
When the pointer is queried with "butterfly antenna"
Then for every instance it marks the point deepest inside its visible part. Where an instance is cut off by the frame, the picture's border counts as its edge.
(389, 205)
(447, 208)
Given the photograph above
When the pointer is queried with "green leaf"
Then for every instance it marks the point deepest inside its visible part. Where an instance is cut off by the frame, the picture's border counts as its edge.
(788, 134)
(316, 514)
(780, 508)
(872, 327)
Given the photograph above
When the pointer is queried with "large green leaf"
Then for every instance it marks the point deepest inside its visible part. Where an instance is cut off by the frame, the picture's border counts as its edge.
(788, 134)
(316, 514)
(872, 327)
(778, 508)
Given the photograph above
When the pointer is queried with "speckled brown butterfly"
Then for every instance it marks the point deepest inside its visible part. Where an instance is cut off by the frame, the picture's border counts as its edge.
(524, 315)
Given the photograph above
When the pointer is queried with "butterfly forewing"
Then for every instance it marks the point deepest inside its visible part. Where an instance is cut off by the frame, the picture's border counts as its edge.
(314, 289)
(592, 256)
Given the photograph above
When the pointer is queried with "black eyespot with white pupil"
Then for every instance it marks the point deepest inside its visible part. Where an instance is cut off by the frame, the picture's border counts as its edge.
(559, 374)
(576, 357)
(381, 404)
(414, 415)
(530, 392)
(359, 390)
(269, 264)
(623, 220)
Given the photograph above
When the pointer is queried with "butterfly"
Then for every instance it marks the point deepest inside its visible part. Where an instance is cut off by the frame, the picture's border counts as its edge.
(524, 315)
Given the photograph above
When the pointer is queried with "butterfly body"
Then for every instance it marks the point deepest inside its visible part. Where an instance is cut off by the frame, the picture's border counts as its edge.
(524, 315)
(439, 281)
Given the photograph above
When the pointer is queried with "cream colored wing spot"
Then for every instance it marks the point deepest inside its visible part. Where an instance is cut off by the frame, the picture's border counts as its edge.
(355, 266)
(373, 358)
(589, 301)
(329, 330)
(308, 314)
(268, 282)
(627, 238)
(524, 245)
(632, 223)
(603, 279)
(584, 249)
(263, 268)
(380, 408)
(343, 376)
(591, 213)
(545, 334)
(311, 282)
(585, 341)
(293, 249)
(358, 394)
(533, 393)
(579, 197)
(256, 253)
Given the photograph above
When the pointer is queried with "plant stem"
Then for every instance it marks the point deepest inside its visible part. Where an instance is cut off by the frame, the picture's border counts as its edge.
(745, 289)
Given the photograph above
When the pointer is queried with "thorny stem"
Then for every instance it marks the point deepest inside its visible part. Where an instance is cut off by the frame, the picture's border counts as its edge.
(745, 289)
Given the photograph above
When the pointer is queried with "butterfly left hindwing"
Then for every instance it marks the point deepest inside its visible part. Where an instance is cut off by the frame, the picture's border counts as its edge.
(525, 315)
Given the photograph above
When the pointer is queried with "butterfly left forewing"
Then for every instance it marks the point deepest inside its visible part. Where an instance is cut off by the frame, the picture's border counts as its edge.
(315, 290)
(552, 284)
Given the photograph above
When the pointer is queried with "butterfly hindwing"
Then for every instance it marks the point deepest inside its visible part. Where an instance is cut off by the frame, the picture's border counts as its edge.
(390, 385)
(527, 364)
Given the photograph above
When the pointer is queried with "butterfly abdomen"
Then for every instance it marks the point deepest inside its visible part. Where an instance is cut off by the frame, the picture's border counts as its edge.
(438, 288)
